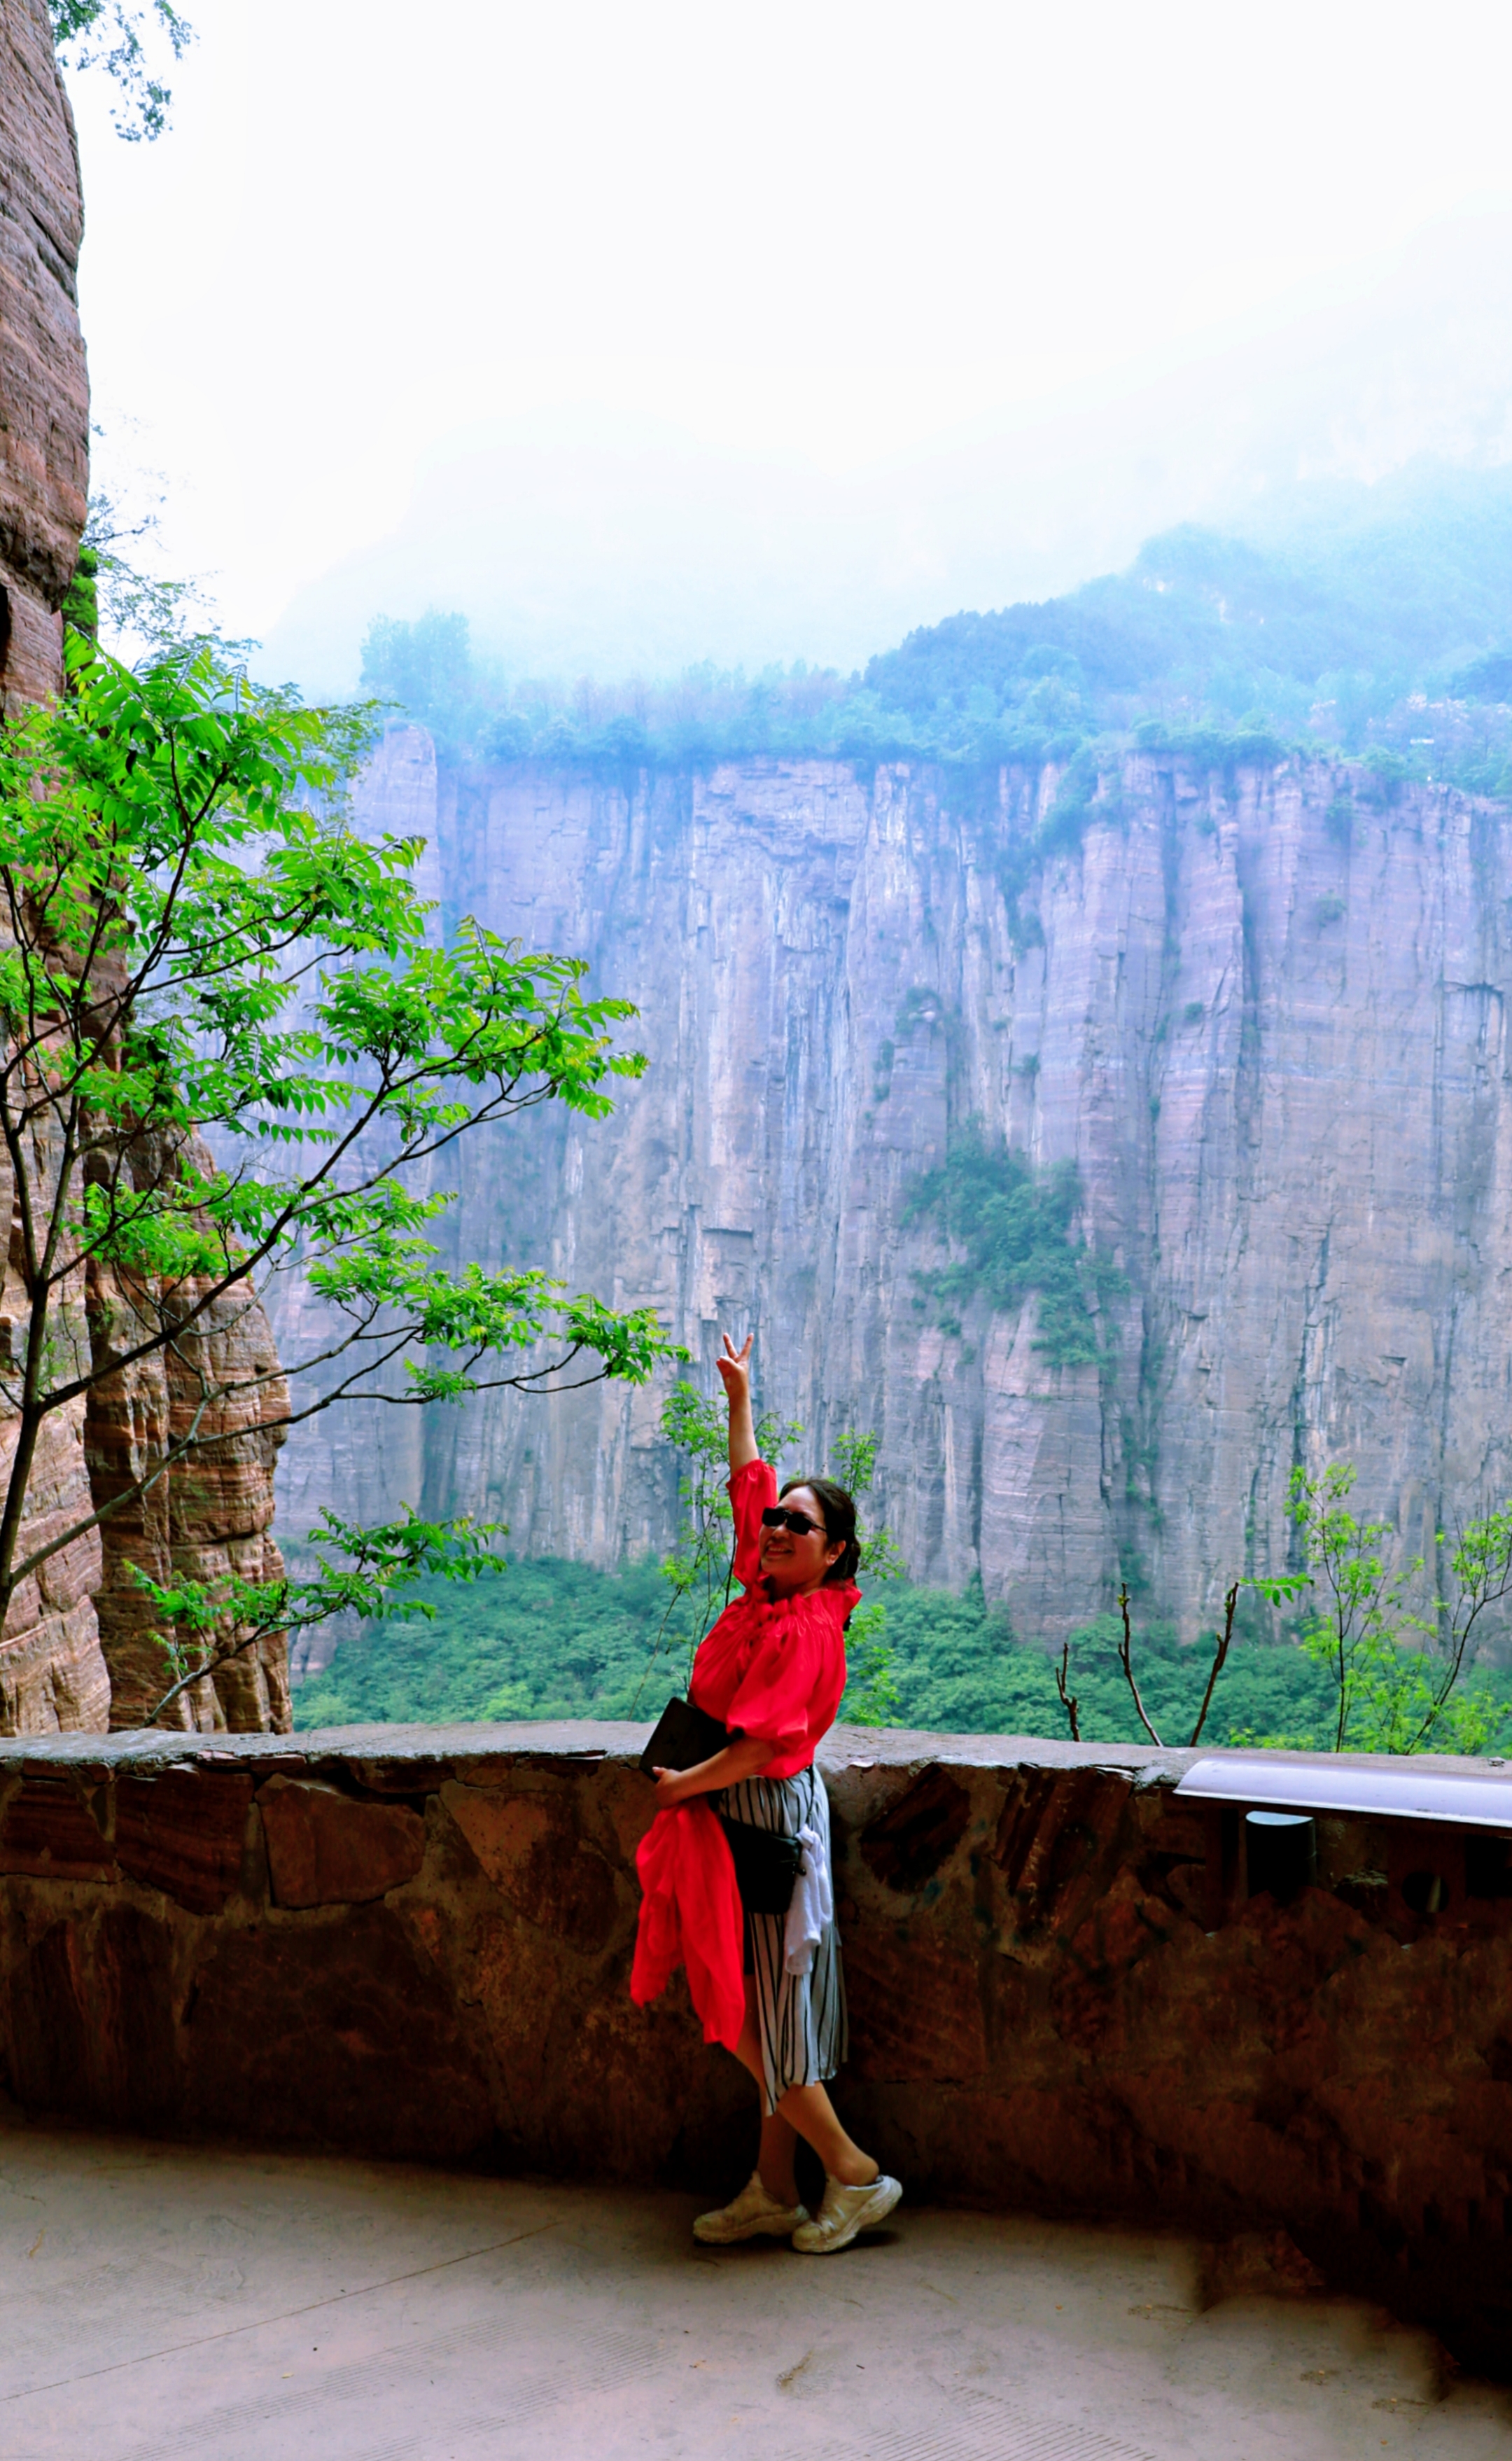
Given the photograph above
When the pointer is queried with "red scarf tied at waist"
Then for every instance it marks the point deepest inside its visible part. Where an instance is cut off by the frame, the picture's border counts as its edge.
(691, 1916)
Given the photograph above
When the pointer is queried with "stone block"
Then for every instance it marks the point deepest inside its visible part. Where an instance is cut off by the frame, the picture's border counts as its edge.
(529, 1846)
(915, 2007)
(626, 1802)
(47, 1830)
(404, 1776)
(91, 2021)
(907, 1845)
(183, 1833)
(1058, 1839)
(337, 2031)
(325, 1850)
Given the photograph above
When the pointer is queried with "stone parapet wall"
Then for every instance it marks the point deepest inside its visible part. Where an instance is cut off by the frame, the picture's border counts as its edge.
(415, 1942)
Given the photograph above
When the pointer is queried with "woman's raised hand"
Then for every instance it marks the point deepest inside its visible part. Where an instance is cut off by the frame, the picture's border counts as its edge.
(734, 1368)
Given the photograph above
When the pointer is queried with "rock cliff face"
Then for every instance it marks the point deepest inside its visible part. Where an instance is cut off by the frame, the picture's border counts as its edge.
(71, 1653)
(44, 389)
(211, 1516)
(1263, 1015)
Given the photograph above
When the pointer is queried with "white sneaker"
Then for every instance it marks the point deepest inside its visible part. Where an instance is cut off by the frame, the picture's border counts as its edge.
(753, 2215)
(844, 2212)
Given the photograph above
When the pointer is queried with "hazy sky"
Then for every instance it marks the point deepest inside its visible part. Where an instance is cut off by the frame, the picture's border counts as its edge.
(801, 244)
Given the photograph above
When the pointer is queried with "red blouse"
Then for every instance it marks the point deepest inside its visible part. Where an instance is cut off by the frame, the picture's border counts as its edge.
(773, 1667)
(770, 1667)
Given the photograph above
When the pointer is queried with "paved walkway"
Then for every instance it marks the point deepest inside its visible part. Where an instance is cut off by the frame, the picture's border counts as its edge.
(160, 2302)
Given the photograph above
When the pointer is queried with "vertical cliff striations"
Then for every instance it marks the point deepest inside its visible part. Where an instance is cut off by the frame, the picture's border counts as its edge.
(44, 389)
(209, 1517)
(1261, 1010)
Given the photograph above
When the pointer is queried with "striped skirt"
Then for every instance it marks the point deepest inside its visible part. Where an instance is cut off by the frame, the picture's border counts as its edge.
(800, 2018)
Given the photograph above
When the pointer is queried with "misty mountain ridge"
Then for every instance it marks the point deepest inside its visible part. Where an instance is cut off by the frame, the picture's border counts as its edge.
(595, 538)
(1350, 617)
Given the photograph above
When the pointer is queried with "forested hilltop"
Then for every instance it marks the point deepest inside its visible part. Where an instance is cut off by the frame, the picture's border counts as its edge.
(1371, 621)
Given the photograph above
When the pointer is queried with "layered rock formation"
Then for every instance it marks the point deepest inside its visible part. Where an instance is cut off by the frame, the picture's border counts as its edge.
(210, 1517)
(1261, 1010)
(44, 389)
(76, 1650)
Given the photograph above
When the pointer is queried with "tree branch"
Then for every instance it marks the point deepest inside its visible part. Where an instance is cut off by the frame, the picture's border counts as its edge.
(1126, 1661)
(1219, 1659)
(1068, 1698)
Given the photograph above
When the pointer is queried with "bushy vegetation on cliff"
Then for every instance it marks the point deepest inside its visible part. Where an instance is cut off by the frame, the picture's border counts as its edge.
(554, 1640)
(1010, 1226)
(1371, 621)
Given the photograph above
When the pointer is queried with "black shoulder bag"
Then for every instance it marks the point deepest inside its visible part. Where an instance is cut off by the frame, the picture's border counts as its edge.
(684, 1737)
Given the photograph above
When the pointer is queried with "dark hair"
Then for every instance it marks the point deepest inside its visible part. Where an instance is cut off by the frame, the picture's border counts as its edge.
(838, 1507)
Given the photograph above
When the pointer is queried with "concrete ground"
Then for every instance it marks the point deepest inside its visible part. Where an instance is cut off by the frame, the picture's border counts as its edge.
(159, 2300)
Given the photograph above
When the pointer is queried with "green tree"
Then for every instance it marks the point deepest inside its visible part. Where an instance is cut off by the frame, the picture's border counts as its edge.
(1397, 1675)
(228, 1052)
(109, 34)
(427, 669)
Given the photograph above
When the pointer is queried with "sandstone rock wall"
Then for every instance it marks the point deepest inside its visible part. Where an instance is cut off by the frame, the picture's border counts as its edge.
(209, 1518)
(53, 1673)
(44, 388)
(416, 1943)
(1264, 1015)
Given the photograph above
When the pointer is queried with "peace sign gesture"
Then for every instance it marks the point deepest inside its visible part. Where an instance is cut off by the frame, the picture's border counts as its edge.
(735, 1374)
(734, 1368)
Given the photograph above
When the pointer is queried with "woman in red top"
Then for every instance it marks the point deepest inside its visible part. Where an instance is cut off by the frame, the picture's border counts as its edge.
(772, 1671)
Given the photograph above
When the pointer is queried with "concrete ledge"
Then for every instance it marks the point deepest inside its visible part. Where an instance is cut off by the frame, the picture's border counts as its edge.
(582, 1739)
(415, 1942)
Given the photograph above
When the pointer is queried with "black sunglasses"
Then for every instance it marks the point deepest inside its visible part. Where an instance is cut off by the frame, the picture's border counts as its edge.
(776, 1516)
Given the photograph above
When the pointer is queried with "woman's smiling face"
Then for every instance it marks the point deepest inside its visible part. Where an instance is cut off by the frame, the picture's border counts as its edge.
(791, 1561)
